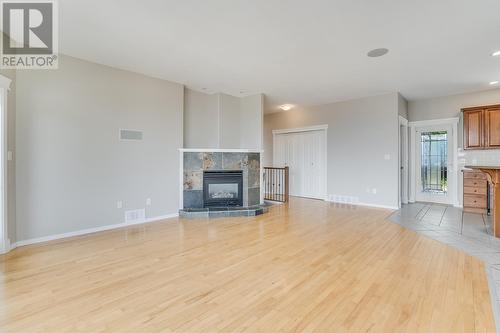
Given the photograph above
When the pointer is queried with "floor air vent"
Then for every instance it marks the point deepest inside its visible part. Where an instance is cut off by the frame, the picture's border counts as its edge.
(136, 215)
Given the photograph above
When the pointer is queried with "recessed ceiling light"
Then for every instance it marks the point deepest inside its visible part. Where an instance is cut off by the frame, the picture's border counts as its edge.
(492, 83)
(286, 107)
(377, 52)
(495, 54)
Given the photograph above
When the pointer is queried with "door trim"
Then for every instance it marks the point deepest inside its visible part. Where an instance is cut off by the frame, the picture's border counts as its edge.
(403, 162)
(5, 245)
(323, 128)
(414, 126)
(300, 129)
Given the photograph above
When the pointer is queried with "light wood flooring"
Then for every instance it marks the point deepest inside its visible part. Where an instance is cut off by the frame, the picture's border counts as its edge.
(308, 266)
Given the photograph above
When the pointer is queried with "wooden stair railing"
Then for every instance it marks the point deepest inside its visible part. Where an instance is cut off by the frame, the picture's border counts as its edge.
(276, 184)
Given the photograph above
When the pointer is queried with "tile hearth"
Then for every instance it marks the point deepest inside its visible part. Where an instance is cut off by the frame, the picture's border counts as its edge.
(222, 212)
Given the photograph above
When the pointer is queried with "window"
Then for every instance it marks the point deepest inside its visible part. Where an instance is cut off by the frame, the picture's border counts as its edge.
(434, 171)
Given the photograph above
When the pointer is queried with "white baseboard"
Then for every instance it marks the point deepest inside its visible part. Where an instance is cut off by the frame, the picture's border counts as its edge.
(88, 231)
(365, 205)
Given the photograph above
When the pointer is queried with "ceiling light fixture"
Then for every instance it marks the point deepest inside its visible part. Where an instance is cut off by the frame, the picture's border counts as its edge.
(492, 83)
(286, 107)
(495, 54)
(375, 53)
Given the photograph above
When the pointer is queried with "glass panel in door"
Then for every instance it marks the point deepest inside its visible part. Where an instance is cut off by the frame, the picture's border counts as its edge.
(434, 164)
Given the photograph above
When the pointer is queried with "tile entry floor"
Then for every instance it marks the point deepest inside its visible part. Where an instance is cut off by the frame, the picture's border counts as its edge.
(471, 233)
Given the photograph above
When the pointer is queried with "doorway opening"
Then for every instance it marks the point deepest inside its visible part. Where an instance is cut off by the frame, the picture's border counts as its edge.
(434, 161)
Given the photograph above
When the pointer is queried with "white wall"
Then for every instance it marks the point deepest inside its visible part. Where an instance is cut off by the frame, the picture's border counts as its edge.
(223, 121)
(71, 167)
(360, 133)
(450, 107)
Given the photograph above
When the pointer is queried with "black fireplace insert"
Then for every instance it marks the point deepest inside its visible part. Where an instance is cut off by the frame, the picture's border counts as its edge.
(222, 188)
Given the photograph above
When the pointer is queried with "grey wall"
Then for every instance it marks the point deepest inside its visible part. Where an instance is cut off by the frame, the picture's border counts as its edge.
(361, 132)
(450, 106)
(201, 119)
(71, 167)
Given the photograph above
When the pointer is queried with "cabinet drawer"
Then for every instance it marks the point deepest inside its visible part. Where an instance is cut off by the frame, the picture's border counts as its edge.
(475, 210)
(474, 175)
(475, 201)
(475, 190)
(471, 182)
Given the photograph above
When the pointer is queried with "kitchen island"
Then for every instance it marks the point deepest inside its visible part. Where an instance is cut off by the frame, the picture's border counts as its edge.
(493, 175)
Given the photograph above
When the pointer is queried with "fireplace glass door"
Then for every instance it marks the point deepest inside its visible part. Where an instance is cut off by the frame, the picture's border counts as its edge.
(222, 188)
(223, 191)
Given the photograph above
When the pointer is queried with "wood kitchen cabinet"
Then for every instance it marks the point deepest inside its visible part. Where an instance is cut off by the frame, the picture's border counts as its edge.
(475, 192)
(482, 127)
(492, 127)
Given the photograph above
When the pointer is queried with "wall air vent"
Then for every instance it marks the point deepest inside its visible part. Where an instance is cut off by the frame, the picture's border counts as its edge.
(130, 135)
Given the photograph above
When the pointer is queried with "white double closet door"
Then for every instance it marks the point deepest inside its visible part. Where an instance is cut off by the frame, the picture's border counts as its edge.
(305, 155)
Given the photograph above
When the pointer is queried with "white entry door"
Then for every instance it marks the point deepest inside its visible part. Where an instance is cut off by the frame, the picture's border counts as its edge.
(304, 153)
(434, 164)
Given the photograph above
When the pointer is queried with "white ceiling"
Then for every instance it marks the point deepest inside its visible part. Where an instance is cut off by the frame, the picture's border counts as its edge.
(303, 52)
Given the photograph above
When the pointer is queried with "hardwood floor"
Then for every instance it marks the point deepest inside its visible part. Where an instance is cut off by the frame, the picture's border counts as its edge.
(304, 267)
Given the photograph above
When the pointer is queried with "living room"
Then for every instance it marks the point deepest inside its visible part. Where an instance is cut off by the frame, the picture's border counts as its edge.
(250, 166)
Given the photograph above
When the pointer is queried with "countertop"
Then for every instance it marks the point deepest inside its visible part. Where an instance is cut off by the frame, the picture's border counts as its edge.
(491, 167)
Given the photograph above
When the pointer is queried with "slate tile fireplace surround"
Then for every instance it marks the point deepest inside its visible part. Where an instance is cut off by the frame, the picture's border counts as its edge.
(201, 168)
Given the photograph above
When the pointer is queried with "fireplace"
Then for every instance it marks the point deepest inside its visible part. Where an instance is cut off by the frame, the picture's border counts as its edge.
(222, 188)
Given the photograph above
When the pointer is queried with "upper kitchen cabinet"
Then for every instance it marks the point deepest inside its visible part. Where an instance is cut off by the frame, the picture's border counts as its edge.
(492, 127)
(482, 127)
(473, 128)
